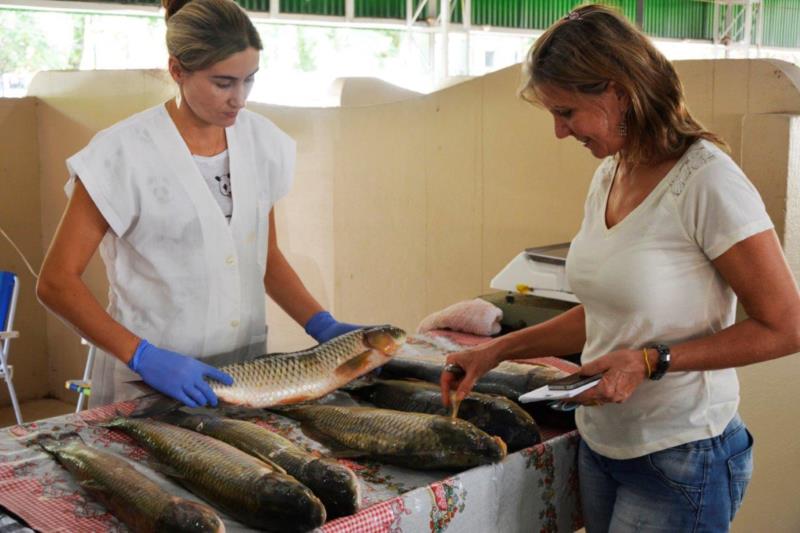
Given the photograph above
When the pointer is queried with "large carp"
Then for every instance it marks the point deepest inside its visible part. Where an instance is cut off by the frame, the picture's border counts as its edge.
(309, 374)
(131, 496)
(250, 490)
(496, 415)
(334, 484)
(507, 379)
(414, 440)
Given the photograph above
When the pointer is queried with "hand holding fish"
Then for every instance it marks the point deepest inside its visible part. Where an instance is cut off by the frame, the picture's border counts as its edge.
(623, 371)
(473, 364)
(178, 376)
(323, 327)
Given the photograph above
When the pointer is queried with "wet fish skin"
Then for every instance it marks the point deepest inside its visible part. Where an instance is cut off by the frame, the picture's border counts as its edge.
(334, 484)
(131, 496)
(414, 440)
(508, 379)
(496, 415)
(248, 489)
(309, 374)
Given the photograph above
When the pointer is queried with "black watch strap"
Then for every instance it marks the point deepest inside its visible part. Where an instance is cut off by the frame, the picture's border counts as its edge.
(664, 358)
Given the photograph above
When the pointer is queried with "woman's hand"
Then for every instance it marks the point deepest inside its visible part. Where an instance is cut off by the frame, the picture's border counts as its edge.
(623, 371)
(475, 362)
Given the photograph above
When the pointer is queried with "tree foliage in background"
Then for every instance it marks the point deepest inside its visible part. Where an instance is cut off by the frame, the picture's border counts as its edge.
(305, 51)
(23, 44)
(393, 48)
(78, 42)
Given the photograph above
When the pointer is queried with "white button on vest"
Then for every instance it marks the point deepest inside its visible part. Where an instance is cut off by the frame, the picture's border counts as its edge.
(234, 323)
(230, 260)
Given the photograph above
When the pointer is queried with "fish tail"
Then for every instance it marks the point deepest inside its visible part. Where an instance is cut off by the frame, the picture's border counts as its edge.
(52, 442)
(154, 405)
(116, 422)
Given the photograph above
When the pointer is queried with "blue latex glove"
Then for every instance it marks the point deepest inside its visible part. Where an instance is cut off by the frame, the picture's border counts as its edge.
(178, 376)
(323, 327)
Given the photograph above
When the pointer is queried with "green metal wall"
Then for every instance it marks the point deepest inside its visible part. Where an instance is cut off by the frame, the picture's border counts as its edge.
(679, 20)
(333, 8)
(782, 23)
(672, 19)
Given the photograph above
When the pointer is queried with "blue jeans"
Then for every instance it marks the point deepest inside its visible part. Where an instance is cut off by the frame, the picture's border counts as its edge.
(695, 487)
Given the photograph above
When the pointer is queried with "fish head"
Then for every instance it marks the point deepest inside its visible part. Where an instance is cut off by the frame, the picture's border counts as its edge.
(185, 515)
(279, 496)
(466, 437)
(386, 339)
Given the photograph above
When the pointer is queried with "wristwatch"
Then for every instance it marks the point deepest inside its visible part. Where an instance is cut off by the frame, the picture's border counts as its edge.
(664, 357)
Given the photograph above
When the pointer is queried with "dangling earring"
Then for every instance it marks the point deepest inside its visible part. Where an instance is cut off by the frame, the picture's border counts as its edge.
(622, 129)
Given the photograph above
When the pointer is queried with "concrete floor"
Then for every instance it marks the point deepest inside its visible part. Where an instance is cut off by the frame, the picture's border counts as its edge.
(35, 410)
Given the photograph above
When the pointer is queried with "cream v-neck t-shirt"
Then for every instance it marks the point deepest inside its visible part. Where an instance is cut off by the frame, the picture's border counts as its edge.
(649, 279)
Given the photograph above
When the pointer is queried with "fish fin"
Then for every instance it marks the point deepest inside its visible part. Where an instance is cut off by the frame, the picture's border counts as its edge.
(353, 366)
(92, 485)
(336, 450)
(117, 421)
(265, 459)
(154, 405)
(300, 398)
(241, 413)
(358, 383)
(165, 469)
(344, 453)
(176, 417)
(268, 355)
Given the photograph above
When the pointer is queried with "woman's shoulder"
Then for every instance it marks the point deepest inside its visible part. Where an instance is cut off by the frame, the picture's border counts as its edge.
(125, 129)
(703, 164)
(603, 175)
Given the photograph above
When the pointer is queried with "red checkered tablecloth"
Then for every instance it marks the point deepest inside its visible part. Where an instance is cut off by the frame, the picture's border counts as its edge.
(533, 489)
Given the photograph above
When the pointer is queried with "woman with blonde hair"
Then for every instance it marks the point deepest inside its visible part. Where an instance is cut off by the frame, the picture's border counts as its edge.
(179, 198)
(673, 234)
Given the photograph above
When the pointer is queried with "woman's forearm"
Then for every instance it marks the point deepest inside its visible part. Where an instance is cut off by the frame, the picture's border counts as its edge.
(744, 343)
(71, 300)
(60, 287)
(285, 287)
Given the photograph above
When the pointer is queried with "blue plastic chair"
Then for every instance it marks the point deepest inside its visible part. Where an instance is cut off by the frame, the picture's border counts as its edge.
(9, 290)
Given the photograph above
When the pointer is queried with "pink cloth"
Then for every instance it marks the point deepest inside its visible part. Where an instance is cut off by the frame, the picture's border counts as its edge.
(477, 316)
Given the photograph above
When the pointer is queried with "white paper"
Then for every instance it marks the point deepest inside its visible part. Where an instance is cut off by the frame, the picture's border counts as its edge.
(545, 393)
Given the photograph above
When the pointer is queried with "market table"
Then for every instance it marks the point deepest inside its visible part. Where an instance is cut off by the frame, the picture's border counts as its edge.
(535, 489)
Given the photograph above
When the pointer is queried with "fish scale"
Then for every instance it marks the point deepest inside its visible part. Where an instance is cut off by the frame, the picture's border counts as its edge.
(247, 488)
(415, 440)
(308, 374)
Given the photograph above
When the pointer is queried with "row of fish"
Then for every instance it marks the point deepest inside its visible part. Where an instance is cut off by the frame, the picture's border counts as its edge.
(264, 480)
(334, 484)
(254, 492)
(254, 475)
(495, 415)
(508, 379)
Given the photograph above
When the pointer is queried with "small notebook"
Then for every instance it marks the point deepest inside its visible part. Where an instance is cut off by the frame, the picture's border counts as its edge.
(545, 393)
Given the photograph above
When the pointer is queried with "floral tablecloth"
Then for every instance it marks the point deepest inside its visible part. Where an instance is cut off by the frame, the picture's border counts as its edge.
(534, 489)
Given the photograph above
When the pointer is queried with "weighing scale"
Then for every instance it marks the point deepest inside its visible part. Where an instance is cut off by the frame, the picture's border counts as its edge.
(535, 287)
